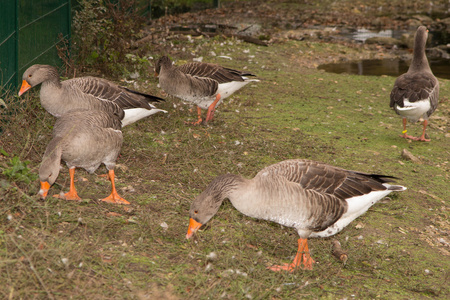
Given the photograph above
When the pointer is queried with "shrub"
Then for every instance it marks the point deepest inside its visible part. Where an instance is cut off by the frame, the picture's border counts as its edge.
(102, 33)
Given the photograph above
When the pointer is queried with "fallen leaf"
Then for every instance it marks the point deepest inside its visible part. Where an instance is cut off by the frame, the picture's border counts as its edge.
(113, 214)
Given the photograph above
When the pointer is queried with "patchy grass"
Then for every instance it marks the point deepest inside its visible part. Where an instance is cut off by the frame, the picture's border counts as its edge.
(60, 249)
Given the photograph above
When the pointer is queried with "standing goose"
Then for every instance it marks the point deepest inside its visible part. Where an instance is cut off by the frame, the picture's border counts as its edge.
(316, 199)
(203, 84)
(90, 93)
(415, 93)
(82, 139)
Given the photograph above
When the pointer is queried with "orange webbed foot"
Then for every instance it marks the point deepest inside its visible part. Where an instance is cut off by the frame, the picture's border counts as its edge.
(286, 267)
(301, 258)
(423, 139)
(116, 199)
(68, 196)
(406, 136)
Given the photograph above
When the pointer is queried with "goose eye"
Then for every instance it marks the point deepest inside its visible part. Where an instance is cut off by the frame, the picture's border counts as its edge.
(30, 76)
(195, 211)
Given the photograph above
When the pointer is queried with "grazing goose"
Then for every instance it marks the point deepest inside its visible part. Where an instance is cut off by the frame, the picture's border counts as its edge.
(415, 93)
(90, 93)
(203, 84)
(316, 199)
(82, 139)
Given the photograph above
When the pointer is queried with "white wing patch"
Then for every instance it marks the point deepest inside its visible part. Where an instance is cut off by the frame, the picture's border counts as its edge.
(134, 114)
(414, 110)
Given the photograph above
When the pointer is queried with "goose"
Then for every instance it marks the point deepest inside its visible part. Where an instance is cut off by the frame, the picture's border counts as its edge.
(315, 198)
(90, 93)
(203, 84)
(415, 93)
(82, 139)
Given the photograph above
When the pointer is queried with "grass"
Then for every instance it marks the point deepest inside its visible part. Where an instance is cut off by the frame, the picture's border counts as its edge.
(61, 249)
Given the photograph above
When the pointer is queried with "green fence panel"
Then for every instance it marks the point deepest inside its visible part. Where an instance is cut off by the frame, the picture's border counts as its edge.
(41, 22)
(29, 32)
(8, 43)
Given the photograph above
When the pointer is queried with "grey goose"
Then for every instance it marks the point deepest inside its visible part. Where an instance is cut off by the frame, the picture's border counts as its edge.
(90, 93)
(316, 199)
(415, 93)
(82, 139)
(203, 84)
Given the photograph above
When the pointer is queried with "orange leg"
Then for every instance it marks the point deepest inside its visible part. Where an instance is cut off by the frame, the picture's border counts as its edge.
(404, 135)
(302, 254)
(212, 109)
(199, 115)
(422, 137)
(114, 196)
(72, 194)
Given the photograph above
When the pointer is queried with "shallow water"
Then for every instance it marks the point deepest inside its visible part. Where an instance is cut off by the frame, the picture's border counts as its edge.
(361, 35)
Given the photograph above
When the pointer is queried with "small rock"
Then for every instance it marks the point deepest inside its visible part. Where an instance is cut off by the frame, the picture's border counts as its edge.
(65, 261)
(211, 256)
(443, 242)
(134, 75)
(208, 267)
(409, 156)
(359, 226)
(164, 226)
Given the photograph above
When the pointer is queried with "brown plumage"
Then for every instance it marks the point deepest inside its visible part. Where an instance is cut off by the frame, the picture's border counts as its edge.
(415, 94)
(89, 93)
(203, 84)
(82, 139)
(316, 199)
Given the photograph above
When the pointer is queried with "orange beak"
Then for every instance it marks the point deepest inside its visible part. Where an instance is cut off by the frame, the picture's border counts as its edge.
(45, 186)
(193, 227)
(25, 87)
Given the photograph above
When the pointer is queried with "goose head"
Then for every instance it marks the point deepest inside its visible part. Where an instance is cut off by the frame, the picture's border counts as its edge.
(206, 205)
(37, 74)
(164, 61)
(49, 170)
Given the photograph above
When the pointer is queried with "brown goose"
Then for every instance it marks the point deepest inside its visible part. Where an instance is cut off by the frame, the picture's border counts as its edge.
(316, 199)
(203, 84)
(82, 139)
(415, 93)
(90, 93)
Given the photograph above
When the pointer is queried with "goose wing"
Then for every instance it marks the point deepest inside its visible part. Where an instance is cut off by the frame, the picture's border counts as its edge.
(326, 179)
(213, 71)
(415, 87)
(108, 91)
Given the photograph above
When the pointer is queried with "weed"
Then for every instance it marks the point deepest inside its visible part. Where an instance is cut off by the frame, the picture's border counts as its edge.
(17, 170)
(102, 34)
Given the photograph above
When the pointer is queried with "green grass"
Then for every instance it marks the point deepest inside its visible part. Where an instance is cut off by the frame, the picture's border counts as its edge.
(62, 249)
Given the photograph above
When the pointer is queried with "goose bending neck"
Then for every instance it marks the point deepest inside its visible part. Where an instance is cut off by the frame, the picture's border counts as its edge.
(223, 186)
(49, 170)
